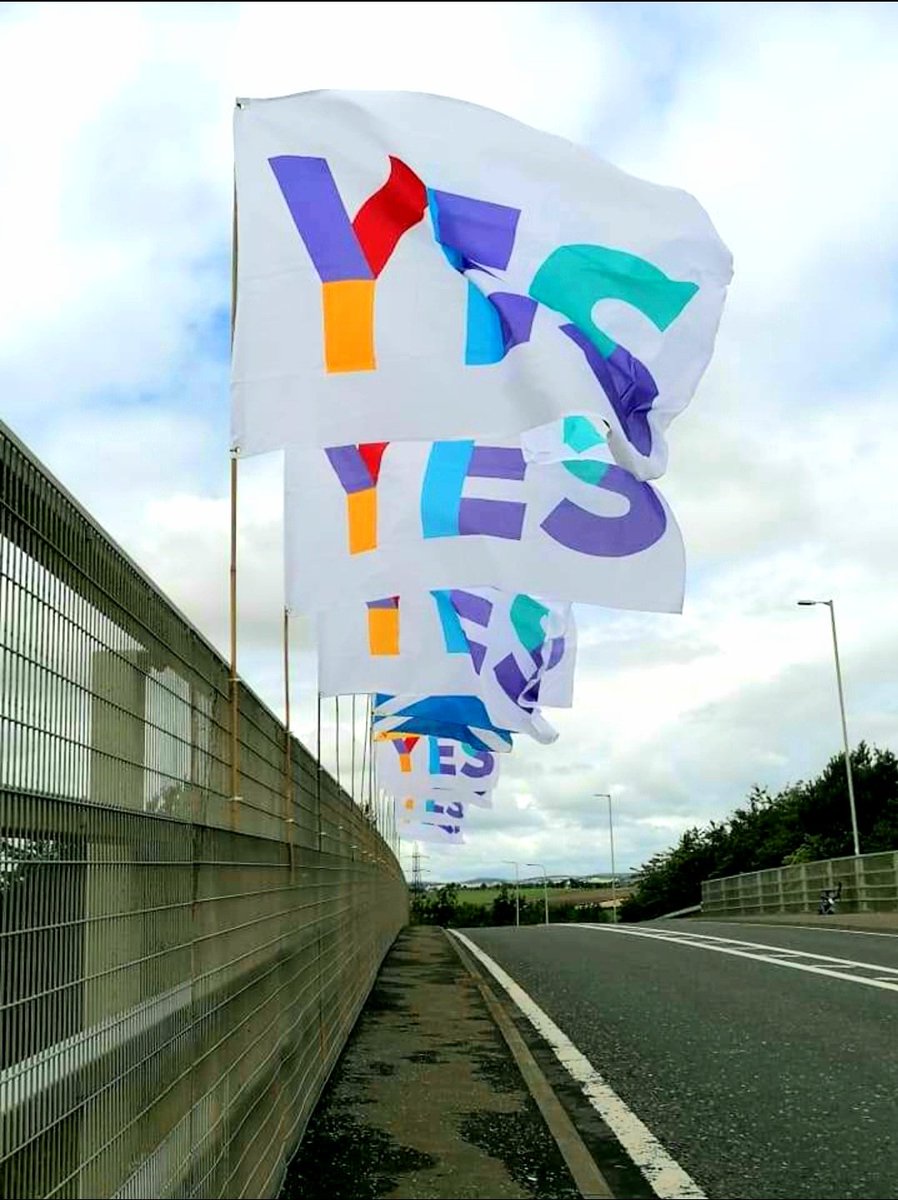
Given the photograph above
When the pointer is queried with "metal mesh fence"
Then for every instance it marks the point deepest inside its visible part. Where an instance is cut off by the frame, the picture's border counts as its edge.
(178, 971)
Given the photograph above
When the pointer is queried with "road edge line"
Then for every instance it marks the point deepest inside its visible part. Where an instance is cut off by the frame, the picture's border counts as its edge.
(590, 1181)
(862, 931)
(661, 1171)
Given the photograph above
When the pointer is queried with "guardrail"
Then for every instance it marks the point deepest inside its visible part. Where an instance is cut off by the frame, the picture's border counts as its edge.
(869, 884)
(179, 971)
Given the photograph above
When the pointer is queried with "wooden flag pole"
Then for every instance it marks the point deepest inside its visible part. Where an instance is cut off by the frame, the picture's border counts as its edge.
(318, 772)
(234, 683)
(370, 736)
(288, 743)
(337, 723)
(362, 778)
(352, 751)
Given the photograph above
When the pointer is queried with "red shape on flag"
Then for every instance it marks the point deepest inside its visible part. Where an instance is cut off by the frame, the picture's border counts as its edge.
(371, 453)
(389, 213)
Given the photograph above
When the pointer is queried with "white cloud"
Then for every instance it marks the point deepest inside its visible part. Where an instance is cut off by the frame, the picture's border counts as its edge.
(114, 237)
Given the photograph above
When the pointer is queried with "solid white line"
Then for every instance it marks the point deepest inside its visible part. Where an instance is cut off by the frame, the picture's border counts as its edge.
(886, 986)
(664, 1175)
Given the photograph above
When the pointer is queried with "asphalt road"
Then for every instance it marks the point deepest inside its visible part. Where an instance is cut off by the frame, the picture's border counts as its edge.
(762, 1079)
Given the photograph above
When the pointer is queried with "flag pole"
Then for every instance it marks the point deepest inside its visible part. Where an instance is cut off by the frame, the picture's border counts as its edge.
(318, 772)
(337, 723)
(234, 683)
(366, 746)
(235, 707)
(352, 751)
(370, 735)
(288, 742)
(362, 776)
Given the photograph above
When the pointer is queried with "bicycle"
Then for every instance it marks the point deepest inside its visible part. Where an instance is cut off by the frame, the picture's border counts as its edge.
(828, 899)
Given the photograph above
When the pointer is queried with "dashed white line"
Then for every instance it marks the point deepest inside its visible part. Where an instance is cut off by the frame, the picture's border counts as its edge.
(699, 938)
(814, 928)
(664, 1175)
(706, 942)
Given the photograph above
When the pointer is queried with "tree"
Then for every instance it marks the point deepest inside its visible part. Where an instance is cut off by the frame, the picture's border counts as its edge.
(802, 823)
(503, 907)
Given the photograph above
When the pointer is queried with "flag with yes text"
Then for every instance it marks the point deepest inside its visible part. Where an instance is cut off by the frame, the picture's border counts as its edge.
(417, 765)
(380, 521)
(412, 266)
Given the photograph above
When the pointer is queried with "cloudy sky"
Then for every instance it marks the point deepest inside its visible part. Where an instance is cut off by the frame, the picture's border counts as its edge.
(116, 166)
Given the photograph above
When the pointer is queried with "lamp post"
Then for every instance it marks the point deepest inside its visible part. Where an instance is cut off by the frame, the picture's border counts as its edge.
(832, 616)
(607, 796)
(517, 890)
(545, 887)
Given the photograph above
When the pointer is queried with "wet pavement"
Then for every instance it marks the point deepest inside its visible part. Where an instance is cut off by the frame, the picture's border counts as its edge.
(426, 1101)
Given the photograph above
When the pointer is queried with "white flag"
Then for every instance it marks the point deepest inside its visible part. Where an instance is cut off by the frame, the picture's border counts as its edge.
(412, 266)
(450, 639)
(419, 766)
(458, 718)
(471, 799)
(441, 815)
(381, 521)
(438, 807)
(447, 833)
(437, 714)
(511, 651)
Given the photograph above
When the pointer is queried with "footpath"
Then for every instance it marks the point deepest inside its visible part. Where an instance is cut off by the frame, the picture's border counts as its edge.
(427, 1100)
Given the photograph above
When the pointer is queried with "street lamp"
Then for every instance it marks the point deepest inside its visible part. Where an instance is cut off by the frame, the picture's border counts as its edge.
(517, 890)
(545, 887)
(607, 796)
(832, 616)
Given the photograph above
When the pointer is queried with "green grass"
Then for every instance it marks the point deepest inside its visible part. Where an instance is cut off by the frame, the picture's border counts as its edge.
(557, 895)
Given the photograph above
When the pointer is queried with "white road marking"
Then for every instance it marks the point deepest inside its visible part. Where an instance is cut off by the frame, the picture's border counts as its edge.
(889, 984)
(698, 938)
(664, 1175)
(814, 928)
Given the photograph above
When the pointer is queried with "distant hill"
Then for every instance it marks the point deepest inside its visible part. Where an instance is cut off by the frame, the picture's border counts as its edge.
(554, 880)
(494, 881)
